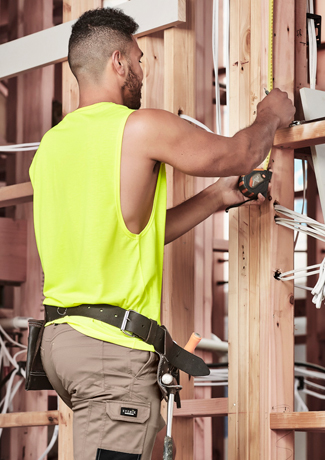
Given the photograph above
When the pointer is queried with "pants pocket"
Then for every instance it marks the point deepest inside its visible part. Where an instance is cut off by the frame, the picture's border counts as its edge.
(125, 427)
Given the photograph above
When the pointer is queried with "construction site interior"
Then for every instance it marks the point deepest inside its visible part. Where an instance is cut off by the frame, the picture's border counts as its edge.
(262, 335)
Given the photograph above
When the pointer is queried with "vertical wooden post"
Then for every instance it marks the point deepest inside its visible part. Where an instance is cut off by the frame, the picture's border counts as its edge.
(34, 92)
(178, 296)
(72, 9)
(260, 308)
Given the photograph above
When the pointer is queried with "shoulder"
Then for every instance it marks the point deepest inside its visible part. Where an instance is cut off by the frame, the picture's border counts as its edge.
(153, 125)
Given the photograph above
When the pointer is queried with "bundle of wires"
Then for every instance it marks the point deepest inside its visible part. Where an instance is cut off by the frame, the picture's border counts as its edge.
(304, 374)
(17, 371)
(311, 227)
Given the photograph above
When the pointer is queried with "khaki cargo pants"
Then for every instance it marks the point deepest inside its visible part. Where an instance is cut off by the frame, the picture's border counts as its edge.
(112, 391)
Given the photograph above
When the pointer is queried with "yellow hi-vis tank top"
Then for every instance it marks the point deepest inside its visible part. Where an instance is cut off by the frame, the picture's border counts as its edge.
(87, 253)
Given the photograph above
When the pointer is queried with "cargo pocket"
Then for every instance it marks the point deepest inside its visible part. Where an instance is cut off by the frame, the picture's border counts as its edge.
(125, 427)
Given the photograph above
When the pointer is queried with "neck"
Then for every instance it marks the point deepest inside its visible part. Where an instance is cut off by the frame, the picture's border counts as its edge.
(93, 95)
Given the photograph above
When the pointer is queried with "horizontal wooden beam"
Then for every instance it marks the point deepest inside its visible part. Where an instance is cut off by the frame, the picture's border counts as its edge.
(202, 408)
(300, 136)
(298, 421)
(50, 46)
(18, 419)
(16, 194)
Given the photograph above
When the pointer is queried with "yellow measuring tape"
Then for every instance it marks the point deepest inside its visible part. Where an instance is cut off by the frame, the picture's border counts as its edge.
(270, 64)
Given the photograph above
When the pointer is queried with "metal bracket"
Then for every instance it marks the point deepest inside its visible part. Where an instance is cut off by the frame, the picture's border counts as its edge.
(318, 27)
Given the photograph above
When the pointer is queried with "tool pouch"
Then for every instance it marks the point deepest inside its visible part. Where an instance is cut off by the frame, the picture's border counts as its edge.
(36, 378)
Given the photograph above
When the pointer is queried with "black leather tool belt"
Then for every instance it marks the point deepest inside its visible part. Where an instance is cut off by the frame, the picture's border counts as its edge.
(134, 324)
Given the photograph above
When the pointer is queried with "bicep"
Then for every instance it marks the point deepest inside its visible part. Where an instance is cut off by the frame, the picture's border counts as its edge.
(166, 138)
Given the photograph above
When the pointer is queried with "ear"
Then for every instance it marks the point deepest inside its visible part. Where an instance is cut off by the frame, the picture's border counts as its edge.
(119, 63)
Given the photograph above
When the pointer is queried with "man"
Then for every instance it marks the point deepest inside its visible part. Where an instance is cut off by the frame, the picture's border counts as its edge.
(101, 224)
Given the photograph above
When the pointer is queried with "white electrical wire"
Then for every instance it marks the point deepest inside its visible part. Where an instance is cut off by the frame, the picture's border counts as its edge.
(10, 339)
(293, 274)
(319, 290)
(311, 227)
(303, 197)
(312, 46)
(19, 147)
(6, 400)
(196, 122)
(314, 385)
(53, 439)
(52, 442)
(7, 354)
(300, 404)
(297, 221)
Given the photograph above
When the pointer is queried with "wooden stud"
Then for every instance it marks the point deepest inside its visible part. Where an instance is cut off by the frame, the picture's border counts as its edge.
(34, 96)
(13, 237)
(178, 295)
(65, 449)
(260, 311)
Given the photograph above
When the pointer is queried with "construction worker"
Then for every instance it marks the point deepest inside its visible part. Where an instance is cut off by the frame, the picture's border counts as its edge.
(101, 225)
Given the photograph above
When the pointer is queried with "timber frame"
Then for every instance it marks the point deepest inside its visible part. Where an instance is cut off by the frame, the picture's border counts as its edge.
(260, 405)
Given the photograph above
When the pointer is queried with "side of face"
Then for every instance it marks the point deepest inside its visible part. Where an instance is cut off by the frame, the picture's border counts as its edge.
(131, 90)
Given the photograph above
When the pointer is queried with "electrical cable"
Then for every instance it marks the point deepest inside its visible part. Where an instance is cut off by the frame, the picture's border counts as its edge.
(196, 122)
(6, 400)
(312, 45)
(303, 196)
(300, 404)
(53, 439)
(7, 336)
(309, 365)
(19, 147)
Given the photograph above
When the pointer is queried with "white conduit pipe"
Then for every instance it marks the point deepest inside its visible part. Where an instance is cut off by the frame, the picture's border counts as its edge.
(18, 322)
(214, 344)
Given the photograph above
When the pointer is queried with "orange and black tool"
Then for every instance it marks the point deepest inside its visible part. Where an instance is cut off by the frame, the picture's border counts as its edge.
(255, 182)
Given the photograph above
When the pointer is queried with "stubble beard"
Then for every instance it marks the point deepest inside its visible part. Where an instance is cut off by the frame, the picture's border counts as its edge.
(132, 90)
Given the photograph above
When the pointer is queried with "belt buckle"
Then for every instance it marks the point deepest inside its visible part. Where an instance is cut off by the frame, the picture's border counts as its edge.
(124, 323)
(61, 314)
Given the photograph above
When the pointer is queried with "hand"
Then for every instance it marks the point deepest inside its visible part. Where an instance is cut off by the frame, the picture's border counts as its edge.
(227, 188)
(278, 104)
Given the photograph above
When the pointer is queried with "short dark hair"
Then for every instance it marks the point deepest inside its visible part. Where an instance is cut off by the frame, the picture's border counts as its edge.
(95, 36)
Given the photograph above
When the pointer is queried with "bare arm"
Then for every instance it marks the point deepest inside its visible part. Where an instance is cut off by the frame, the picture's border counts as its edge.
(166, 138)
(190, 213)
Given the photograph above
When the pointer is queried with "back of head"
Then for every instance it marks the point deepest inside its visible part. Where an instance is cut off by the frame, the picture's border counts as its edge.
(95, 36)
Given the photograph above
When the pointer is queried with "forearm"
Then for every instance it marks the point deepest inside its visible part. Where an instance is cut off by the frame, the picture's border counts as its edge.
(191, 212)
(256, 141)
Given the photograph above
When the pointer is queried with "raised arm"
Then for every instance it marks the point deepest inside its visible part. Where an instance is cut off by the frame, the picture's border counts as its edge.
(167, 138)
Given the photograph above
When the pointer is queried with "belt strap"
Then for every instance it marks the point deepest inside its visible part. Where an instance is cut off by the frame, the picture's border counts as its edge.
(133, 323)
